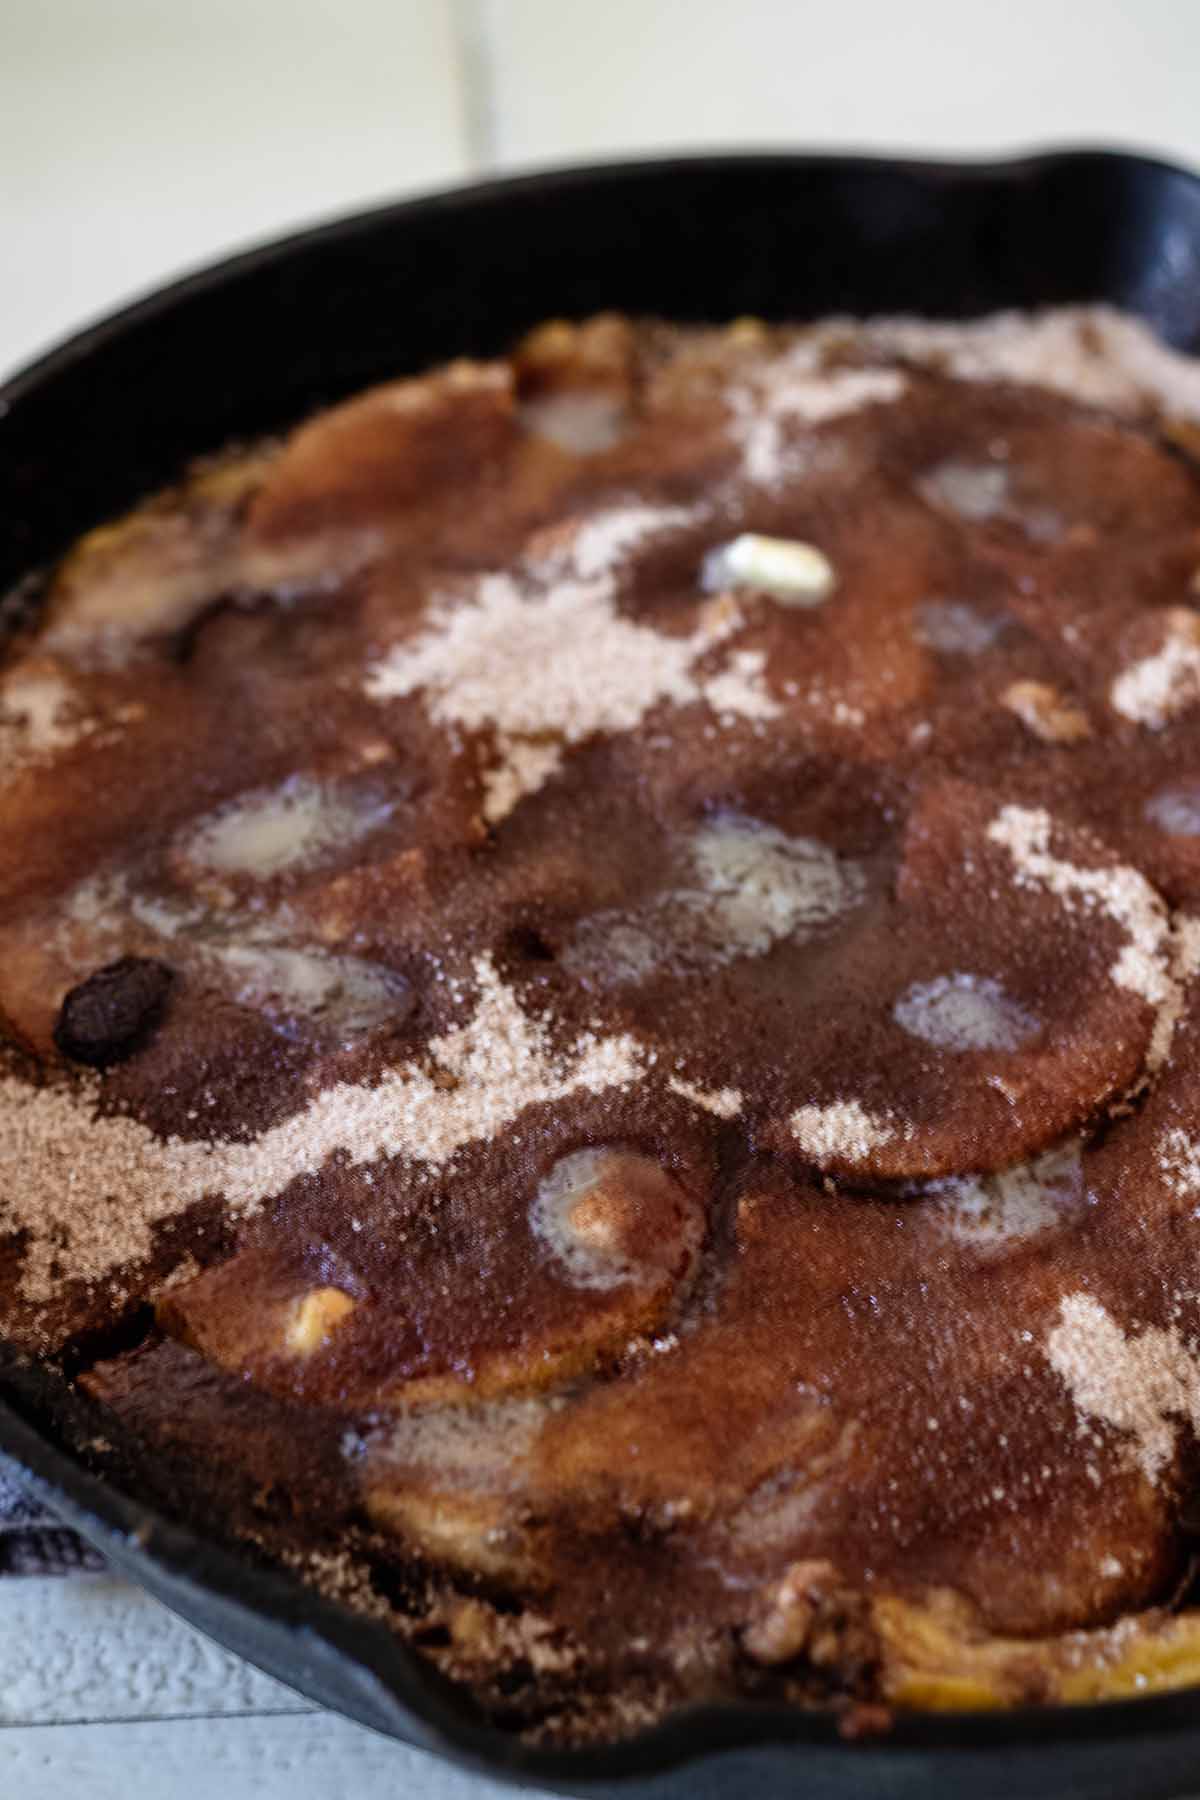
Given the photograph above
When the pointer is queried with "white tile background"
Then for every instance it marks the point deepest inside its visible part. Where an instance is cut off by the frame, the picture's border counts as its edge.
(947, 75)
(105, 1696)
(139, 137)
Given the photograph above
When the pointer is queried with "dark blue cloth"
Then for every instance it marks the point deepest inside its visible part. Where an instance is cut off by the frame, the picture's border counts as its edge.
(32, 1542)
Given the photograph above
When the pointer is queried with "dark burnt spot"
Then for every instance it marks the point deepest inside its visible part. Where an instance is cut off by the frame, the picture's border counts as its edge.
(528, 944)
(114, 1012)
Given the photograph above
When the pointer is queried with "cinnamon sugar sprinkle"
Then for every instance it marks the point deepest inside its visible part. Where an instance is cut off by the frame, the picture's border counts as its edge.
(1157, 689)
(525, 767)
(795, 389)
(1091, 353)
(1179, 1161)
(842, 1132)
(90, 1216)
(1126, 896)
(583, 548)
(1143, 1385)
(596, 671)
(723, 1103)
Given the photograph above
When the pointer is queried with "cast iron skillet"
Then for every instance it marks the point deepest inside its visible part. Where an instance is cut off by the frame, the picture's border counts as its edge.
(263, 339)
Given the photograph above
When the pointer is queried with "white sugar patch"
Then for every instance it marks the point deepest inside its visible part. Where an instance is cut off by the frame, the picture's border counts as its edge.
(740, 690)
(723, 1103)
(1120, 892)
(1157, 689)
(990, 1211)
(1143, 1385)
(1091, 353)
(273, 830)
(476, 1079)
(599, 543)
(500, 1062)
(561, 662)
(956, 628)
(524, 768)
(753, 887)
(545, 659)
(1179, 1161)
(86, 1191)
(965, 1012)
(842, 1132)
(1176, 810)
(793, 389)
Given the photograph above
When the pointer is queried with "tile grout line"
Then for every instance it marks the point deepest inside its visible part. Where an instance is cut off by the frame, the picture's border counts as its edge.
(474, 27)
(212, 1718)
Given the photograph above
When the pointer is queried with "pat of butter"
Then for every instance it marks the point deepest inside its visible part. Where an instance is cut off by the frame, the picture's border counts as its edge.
(795, 573)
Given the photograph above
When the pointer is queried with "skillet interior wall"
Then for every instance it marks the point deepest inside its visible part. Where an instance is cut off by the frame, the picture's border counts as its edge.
(276, 334)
